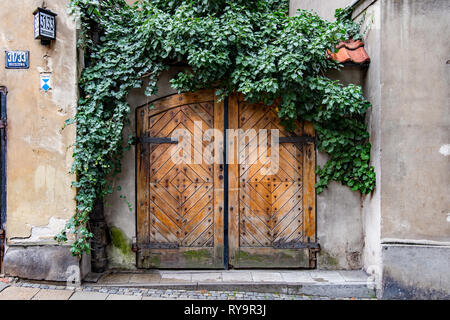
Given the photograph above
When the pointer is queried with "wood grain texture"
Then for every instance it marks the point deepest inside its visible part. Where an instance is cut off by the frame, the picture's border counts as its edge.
(181, 203)
(271, 218)
(272, 213)
(309, 187)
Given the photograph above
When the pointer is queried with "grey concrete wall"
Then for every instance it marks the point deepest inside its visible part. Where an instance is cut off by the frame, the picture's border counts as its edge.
(407, 83)
(415, 135)
(416, 272)
(49, 263)
(339, 228)
(415, 120)
(371, 204)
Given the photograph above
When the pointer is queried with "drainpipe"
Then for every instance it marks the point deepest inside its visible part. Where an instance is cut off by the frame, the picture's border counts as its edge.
(98, 227)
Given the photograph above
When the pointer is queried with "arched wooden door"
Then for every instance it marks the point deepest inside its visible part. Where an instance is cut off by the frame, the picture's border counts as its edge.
(270, 218)
(180, 206)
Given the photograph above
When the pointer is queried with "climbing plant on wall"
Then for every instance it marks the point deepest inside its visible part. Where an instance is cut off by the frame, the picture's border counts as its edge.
(249, 46)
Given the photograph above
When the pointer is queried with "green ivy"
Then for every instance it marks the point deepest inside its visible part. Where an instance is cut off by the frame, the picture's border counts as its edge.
(247, 46)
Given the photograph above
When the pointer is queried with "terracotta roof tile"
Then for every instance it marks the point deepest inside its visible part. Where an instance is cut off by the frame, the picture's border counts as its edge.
(350, 51)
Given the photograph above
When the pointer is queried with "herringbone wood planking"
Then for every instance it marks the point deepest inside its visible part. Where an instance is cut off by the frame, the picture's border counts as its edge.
(181, 197)
(271, 206)
(275, 217)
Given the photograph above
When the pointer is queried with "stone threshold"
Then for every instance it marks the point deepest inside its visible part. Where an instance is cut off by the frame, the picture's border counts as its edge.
(333, 284)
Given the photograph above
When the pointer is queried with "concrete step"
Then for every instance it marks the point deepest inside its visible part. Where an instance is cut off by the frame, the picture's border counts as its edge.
(333, 284)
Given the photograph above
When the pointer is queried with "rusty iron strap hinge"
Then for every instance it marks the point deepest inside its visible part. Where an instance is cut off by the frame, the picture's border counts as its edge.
(295, 245)
(154, 245)
(313, 256)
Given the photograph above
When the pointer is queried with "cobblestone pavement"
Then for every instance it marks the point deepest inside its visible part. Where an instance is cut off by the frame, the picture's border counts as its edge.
(37, 291)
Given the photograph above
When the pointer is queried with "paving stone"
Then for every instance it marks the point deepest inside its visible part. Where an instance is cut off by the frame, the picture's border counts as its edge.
(354, 276)
(122, 297)
(327, 276)
(115, 278)
(47, 294)
(207, 277)
(18, 293)
(92, 277)
(156, 298)
(81, 295)
(176, 277)
(145, 278)
(294, 277)
(267, 277)
(237, 277)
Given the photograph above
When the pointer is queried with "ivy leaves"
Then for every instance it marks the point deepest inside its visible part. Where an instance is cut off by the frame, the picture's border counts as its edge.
(249, 46)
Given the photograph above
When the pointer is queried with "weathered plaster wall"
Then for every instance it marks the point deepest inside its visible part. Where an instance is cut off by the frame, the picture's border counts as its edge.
(415, 120)
(40, 198)
(371, 204)
(415, 128)
(38, 156)
(416, 272)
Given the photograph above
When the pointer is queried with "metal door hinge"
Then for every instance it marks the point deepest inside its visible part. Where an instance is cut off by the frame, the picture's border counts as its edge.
(295, 245)
(154, 245)
(313, 256)
(134, 246)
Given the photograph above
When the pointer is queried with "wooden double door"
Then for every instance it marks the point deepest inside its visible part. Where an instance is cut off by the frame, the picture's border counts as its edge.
(223, 211)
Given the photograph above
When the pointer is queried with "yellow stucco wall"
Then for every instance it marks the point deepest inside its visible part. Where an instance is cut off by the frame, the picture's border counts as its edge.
(39, 156)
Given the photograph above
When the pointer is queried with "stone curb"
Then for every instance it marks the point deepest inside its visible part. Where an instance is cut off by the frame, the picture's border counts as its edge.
(332, 290)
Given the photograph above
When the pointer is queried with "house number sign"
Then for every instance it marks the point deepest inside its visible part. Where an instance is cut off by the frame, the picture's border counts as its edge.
(44, 24)
(17, 59)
